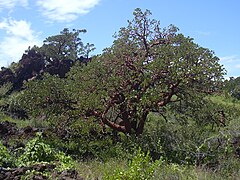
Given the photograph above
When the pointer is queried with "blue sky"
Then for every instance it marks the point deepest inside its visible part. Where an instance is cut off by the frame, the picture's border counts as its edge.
(212, 23)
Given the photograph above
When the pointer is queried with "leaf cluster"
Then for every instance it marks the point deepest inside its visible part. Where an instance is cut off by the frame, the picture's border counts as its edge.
(139, 167)
(37, 151)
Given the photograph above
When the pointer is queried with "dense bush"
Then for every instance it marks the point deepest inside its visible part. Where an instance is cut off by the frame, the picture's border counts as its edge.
(37, 159)
(37, 151)
(6, 160)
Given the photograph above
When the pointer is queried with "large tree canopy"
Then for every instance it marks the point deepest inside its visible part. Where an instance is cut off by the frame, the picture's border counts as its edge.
(146, 69)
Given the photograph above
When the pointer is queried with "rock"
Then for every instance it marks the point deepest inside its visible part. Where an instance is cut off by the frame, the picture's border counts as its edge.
(68, 175)
(39, 177)
(12, 174)
(43, 167)
(19, 173)
(7, 128)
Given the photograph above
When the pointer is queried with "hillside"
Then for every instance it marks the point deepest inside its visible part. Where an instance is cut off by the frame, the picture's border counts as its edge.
(154, 105)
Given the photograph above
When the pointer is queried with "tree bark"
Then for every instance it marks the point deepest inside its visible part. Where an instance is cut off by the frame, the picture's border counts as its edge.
(141, 123)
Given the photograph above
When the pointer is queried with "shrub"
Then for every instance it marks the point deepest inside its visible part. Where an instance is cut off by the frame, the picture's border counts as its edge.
(37, 151)
(140, 167)
(6, 159)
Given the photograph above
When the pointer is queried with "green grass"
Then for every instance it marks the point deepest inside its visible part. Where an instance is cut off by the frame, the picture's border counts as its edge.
(22, 123)
(92, 170)
(95, 169)
(230, 102)
(156, 127)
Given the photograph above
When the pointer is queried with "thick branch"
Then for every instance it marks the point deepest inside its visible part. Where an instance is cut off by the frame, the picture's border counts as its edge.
(167, 99)
(114, 126)
(106, 121)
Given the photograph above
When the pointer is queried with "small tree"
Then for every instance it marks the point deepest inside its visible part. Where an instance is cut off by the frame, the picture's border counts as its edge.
(144, 70)
(232, 86)
(64, 46)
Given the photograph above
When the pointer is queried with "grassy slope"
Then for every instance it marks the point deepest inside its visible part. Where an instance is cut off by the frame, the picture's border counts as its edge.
(94, 168)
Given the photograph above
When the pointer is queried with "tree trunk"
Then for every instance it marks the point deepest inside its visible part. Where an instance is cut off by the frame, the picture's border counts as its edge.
(141, 123)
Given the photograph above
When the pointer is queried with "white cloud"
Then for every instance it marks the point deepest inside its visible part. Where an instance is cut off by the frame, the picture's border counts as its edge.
(233, 59)
(203, 33)
(10, 4)
(231, 64)
(19, 36)
(20, 28)
(229, 59)
(65, 10)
